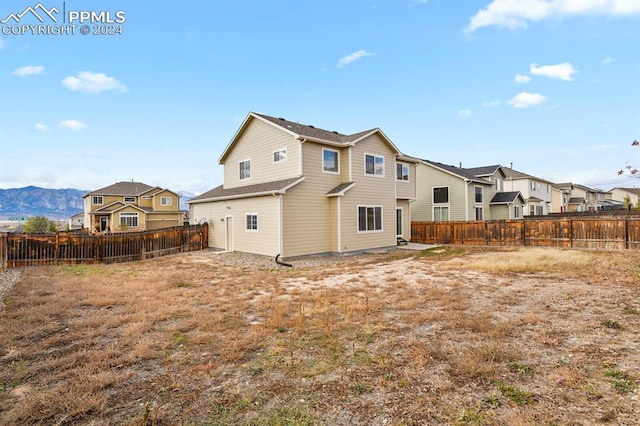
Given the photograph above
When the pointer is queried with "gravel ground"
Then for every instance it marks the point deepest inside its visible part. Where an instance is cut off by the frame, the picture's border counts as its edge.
(7, 279)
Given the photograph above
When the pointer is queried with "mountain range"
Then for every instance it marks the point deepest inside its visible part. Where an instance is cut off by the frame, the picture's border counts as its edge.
(55, 204)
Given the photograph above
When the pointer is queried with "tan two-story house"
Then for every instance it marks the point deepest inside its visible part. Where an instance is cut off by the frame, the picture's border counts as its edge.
(131, 206)
(294, 190)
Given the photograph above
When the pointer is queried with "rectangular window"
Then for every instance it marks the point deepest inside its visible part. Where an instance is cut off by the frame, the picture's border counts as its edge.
(441, 194)
(497, 185)
(539, 210)
(245, 169)
(252, 222)
(532, 210)
(399, 222)
(516, 212)
(440, 214)
(129, 199)
(129, 219)
(548, 189)
(479, 213)
(533, 186)
(330, 161)
(478, 190)
(369, 218)
(280, 156)
(373, 165)
(97, 199)
(402, 172)
(166, 201)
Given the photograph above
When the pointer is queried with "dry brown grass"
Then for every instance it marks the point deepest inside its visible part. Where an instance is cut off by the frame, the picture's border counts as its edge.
(463, 336)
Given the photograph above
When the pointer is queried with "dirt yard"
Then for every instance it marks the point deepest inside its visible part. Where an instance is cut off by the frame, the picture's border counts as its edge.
(451, 336)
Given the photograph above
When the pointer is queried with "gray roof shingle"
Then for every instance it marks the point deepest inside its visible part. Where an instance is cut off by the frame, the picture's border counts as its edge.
(220, 192)
(505, 197)
(123, 188)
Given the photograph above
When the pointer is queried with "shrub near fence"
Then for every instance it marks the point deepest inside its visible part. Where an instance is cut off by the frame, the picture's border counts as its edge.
(592, 232)
(52, 249)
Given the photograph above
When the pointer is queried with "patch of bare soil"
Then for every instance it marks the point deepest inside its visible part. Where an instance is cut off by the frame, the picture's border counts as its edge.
(460, 336)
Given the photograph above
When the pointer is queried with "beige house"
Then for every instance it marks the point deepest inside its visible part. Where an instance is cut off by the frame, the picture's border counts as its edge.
(450, 193)
(294, 190)
(619, 194)
(535, 191)
(131, 206)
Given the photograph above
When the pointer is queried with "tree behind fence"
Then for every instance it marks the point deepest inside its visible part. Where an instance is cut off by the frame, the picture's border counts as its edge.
(598, 233)
(62, 248)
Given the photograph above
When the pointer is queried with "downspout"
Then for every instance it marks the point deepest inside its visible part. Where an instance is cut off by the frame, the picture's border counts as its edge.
(303, 140)
(339, 225)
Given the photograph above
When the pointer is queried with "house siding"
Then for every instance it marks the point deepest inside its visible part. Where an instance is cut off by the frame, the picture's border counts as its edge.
(501, 212)
(406, 218)
(157, 206)
(429, 177)
(259, 141)
(406, 189)
(264, 241)
(307, 211)
(369, 191)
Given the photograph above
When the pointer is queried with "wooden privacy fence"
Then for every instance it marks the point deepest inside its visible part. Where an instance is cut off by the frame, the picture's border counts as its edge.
(600, 233)
(62, 248)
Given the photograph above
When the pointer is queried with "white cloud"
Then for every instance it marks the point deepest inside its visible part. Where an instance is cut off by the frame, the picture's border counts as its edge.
(91, 82)
(525, 100)
(464, 113)
(517, 13)
(519, 78)
(72, 125)
(491, 104)
(41, 128)
(608, 60)
(352, 57)
(28, 70)
(563, 71)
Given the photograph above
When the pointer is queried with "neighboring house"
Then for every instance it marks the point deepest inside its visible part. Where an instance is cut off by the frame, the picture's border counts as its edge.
(131, 206)
(619, 194)
(560, 196)
(76, 221)
(535, 191)
(585, 199)
(450, 193)
(294, 190)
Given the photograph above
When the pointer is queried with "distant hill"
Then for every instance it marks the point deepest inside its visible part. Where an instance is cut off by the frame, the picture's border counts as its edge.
(55, 204)
(35, 201)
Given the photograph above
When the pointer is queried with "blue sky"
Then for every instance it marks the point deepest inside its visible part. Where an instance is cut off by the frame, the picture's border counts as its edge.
(550, 86)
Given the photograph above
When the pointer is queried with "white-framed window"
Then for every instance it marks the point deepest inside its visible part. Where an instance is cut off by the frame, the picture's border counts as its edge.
(533, 186)
(441, 213)
(440, 194)
(146, 197)
(129, 219)
(478, 194)
(97, 200)
(373, 165)
(539, 210)
(498, 184)
(479, 213)
(330, 161)
(369, 218)
(166, 201)
(402, 172)
(280, 155)
(548, 189)
(252, 222)
(516, 212)
(532, 210)
(245, 169)
(129, 199)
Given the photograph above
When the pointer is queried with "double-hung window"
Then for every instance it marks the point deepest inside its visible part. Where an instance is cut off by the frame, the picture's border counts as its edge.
(166, 201)
(280, 155)
(129, 219)
(252, 222)
(245, 169)
(402, 172)
(441, 204)
(330, 161)
(97, 200)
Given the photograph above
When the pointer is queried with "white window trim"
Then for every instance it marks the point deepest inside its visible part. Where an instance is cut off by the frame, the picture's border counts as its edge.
(408, 172)
(129, 214)
(402, 219)
(248, 160)
(257, 222)
(374, 165)
(475, 211)
(439, 206)
(124, 199)
(95, 197)
(481, 202)
(516, 211)
(448, 195)
(372, 231)
(164, 198)
(286, 155)
(337, 161)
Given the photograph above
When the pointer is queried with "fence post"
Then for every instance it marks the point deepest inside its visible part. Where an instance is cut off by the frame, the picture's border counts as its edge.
(626, 233)
(4, 251)
(570, 233)
(56, 256)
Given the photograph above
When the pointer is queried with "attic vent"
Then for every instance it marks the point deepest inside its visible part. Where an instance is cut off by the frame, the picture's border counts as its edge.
(280, 118)
(311, 126)
(335, 132)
